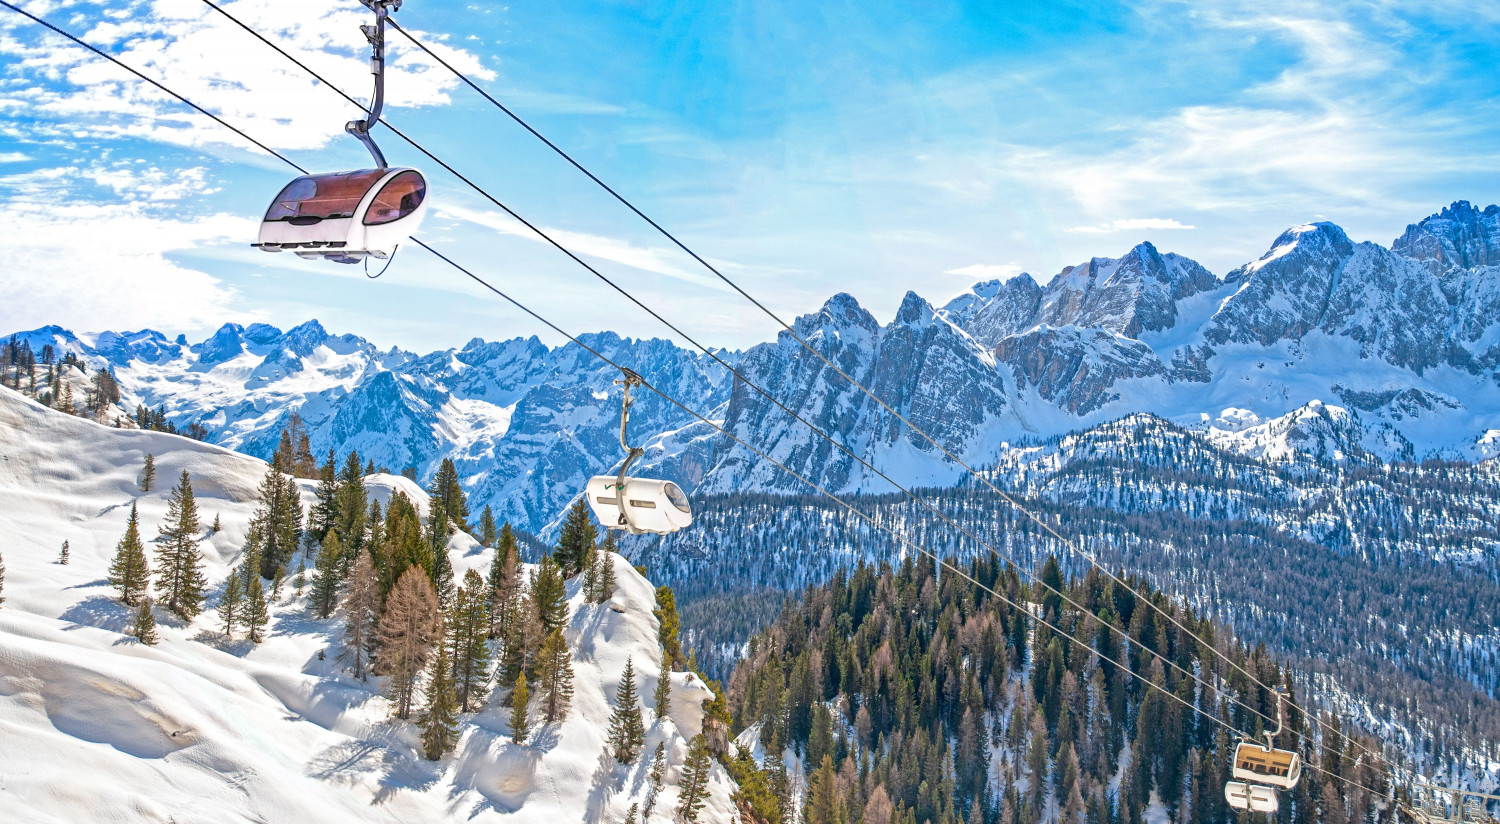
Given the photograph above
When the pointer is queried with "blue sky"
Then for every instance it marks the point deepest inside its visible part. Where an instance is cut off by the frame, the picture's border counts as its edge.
(869, 147)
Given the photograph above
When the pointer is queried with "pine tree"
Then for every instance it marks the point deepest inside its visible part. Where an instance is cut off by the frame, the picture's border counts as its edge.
(325, 591)
(257, 612)
(442, 571)
(148, 473)
(656, 778)
(824, 806)
(407, 632)
(661, 697)
(517, 615)
(549, 596)
(230, 603)
(324, 513)
(506, 554)
(591, 578)
(448, 497)
(276, 527)
(300, 582)
(520, 717)
(630, 817)
(62, 557)
(555, 669)
(179, 564)
(607, 569)
(129, 573)
(576, 539)
(145, 624)
(693, 786)
(217, 527)
(668, 625)
(487, 527)
(468, 639)
(627, 734)
(361, 612)
(440, 721)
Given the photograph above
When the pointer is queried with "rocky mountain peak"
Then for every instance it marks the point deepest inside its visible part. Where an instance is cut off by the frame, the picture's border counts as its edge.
(1458, 237)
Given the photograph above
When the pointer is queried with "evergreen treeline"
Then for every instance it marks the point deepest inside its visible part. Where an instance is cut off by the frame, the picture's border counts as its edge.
(915, 698)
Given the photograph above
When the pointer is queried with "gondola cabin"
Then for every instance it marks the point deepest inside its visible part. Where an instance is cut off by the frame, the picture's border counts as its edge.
(345, 216)
(653, 506)
(1280, 768)
(1252, 797)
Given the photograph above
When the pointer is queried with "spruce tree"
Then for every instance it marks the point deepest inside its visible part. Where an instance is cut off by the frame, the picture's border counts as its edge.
(129, 573)
(824, 806)
(520, 715)
(503, 584)
(693, 786)
(230, 604)
(442, 571)
(407, 632)
(506, 553)
(512, 632)
(440, 721)
(656, 778)
(668, 625)
(468, 640)
(144, 629)
(257, 612)
(179, 564)
(549, 595)
(325, 591)
(352, 504)
(607, 569)
(325, 512)
(299, 583)
(62, 556)
(148, 473)
(627, 734)
(555, 671)
(361, 613)
(276, 527)
(576, 540)
(487, 527)
(661, 697)
(448, 497)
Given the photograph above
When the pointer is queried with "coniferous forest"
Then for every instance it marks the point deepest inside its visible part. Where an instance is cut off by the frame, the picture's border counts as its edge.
(914, 696)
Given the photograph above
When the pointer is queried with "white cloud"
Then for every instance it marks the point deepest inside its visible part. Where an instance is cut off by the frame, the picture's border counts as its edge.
(1132, 224)
(209, 60)
(13, 157)
(987, 271)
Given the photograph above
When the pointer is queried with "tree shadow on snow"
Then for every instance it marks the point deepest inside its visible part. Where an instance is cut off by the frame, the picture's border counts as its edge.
(238, 647)
(99, 611)
(389, 751)
(603, 788)
(95, 584)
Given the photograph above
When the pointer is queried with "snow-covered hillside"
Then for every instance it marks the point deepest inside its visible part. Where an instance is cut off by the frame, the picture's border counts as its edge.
(202, 729)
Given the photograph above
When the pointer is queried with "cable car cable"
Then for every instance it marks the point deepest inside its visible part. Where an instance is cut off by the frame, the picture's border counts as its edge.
(858, 513)
(759, 390)
(829, 362)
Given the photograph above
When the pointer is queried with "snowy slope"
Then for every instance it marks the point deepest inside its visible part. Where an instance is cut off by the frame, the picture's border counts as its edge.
(198, 728)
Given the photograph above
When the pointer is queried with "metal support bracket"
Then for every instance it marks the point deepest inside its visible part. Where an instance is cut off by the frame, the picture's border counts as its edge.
(632, 453)
(360, 129)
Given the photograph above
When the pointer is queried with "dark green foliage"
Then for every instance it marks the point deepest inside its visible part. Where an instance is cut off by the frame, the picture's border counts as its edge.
(487, 534)
(350, 506)
(549, 596)
(440, 721)
(148, 473)
(468, 642)
(231, 603)
(692, 787)
(325, 591)
(179, 565)
(276, 527)
(576, 541)
(506, 552)
(257, 611)
(128, 573)
(661, 697)
(668, 626)
(449, 504)
(324, 513)
(144, 628)
(627, 733)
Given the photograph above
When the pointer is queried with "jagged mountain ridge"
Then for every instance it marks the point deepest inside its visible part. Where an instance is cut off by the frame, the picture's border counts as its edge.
(1404, 337)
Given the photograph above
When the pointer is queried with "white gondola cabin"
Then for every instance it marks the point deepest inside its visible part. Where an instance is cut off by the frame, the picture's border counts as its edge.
(1264, 765)
(345, 216)
(1252, 797)
(647, 505)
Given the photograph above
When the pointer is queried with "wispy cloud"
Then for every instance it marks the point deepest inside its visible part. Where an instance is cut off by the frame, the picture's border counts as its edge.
(989, 271)
(1132, 224)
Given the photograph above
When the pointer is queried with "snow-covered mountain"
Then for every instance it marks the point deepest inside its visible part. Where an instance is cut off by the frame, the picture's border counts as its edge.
(1404, 341)
(201, 728)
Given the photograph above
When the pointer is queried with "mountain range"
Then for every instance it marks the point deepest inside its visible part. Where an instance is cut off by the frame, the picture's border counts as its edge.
(1401, 345)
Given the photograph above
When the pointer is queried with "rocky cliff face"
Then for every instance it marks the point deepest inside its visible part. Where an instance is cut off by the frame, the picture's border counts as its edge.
(1408, 336)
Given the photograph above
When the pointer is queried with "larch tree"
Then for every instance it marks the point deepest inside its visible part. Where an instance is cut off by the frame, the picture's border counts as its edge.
(257, 611)
(325, 590)
(148, 473)
(693, 786)
(555, 671)
(179, 564)
(576, 540)
(627, 733)
(513, 633)
(504, 585)
(129, 573)
(520, 711)
(361, 613)
(407, 634)
(230, 604)
(468, 642)
(824, 806)
(440, 720)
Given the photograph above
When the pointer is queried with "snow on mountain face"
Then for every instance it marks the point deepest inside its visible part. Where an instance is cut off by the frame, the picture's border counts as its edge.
(199, 728)
(1317, 318)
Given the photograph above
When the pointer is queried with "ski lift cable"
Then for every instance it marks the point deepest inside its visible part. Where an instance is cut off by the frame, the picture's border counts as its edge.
(853, 510)
(851, 379)
(759, 390)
